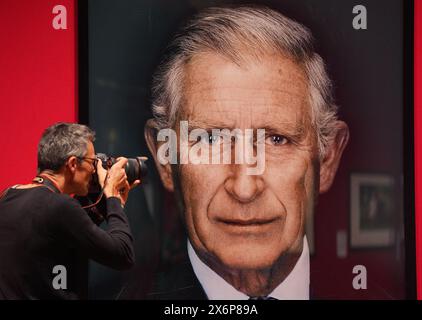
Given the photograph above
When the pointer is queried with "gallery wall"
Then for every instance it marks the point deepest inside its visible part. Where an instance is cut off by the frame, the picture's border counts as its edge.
(38, 84)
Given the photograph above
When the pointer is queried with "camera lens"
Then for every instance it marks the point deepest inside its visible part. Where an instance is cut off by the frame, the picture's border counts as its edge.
(136, 169)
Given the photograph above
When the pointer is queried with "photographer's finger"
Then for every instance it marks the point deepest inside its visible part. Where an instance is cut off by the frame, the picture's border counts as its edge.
(121, 162)
(121, 179)
(123, 176)
(101, 173)
(117, 172)
(135, 184)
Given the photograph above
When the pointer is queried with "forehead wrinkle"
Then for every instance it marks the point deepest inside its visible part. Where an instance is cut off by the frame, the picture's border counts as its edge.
(196, 88)
(214, 103)
(211, 124)
(196, 81)
(227, 96)
(253, 108)
(277, 59)
(255, 119)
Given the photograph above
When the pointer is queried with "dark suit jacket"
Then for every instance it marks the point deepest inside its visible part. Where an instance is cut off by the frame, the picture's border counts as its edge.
(180, 283)
(177, 283)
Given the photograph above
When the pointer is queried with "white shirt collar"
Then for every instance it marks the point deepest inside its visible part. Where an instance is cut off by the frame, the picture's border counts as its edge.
(294, 287)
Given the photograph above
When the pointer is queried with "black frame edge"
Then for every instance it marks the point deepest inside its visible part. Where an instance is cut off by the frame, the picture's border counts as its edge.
(408, 155)
(83, 56)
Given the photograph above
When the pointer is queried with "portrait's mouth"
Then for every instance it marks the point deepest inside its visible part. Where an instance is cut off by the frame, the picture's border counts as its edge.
(247, 222)
(244, 227)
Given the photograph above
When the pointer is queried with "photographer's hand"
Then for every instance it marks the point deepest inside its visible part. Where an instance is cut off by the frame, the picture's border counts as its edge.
(115, 184)
(101, 173)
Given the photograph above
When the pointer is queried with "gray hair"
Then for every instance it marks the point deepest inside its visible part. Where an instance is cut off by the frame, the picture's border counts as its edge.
(227, 31)
(61, 141)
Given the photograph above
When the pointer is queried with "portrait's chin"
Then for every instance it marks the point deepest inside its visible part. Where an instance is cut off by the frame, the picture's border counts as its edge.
(250, 255)
(246, 244)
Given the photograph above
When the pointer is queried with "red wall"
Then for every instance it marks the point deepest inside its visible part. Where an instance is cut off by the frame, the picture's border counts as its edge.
(37, 82)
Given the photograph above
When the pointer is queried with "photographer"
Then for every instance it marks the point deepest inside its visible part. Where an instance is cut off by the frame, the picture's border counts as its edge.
(46, 237)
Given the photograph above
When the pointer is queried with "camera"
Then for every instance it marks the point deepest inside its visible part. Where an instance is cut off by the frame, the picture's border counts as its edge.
(136, 168)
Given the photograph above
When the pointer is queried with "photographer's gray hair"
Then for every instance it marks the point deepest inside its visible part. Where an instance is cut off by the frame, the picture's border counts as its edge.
(61, 141)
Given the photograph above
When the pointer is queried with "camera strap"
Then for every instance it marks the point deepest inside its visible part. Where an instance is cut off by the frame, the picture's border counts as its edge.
(44, 181)
(4, 192)
(49, 184)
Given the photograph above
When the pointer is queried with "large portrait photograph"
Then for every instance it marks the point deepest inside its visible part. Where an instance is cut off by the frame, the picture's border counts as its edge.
(223, 150)
(323, 79)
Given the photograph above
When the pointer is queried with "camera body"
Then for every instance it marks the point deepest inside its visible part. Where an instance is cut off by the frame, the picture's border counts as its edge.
(136, 169)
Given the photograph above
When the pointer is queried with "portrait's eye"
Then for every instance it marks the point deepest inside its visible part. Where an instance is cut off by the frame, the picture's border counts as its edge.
(213, 139)
(277, 140)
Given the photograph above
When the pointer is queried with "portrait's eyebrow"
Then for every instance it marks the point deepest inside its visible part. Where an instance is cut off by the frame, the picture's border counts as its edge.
(294, 131)
(207, 125)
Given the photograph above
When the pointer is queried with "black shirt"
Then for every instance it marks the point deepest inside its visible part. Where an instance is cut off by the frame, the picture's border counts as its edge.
(41, 229)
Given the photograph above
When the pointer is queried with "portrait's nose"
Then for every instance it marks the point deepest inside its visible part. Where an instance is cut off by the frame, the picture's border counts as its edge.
(243, 187)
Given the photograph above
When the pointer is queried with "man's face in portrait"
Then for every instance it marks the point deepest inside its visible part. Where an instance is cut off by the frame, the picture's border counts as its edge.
(243, 221)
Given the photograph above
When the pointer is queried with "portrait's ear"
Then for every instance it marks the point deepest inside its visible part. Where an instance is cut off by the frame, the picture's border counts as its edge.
(163, 170)
(332, 157)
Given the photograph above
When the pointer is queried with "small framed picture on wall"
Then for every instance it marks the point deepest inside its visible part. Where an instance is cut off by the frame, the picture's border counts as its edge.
(371, 210)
